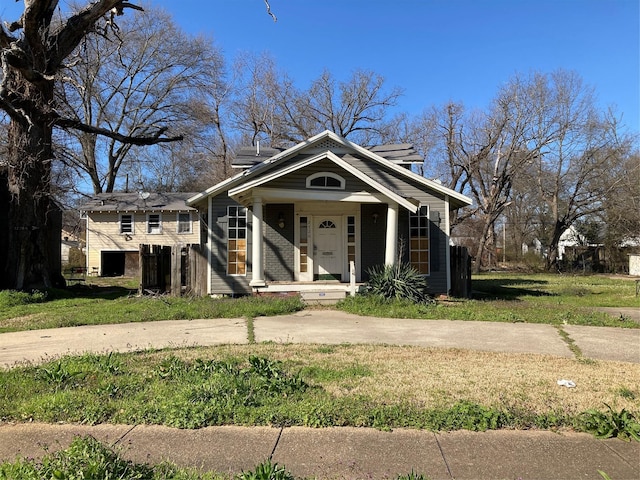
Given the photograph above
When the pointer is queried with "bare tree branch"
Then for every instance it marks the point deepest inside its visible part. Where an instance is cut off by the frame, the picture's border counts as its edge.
(133, 140)
(266, 2)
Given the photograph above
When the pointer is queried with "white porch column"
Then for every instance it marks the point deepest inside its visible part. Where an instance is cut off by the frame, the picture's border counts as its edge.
(391, 245)
(257, 258)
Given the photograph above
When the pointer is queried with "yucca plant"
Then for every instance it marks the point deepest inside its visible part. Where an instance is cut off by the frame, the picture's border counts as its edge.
(398, 282)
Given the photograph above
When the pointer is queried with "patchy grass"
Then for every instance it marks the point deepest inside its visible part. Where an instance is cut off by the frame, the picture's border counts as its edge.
(105, 305)
(280, 384)
(505, 297)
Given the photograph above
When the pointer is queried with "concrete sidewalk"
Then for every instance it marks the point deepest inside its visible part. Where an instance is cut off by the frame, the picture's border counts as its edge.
(323, 326)
(349, 453)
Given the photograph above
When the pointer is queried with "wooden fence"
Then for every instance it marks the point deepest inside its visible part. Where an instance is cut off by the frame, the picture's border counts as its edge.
(176, 270)
(460, 272)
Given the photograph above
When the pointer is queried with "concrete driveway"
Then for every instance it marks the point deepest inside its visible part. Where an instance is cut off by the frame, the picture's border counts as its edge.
(322, 326)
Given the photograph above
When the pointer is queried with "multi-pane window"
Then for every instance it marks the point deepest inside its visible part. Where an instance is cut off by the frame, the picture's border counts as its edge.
(154, 223)
(237, 240)
(419, 240)
(304, 244)
(126, 223)
(184, 222)
(351, 239)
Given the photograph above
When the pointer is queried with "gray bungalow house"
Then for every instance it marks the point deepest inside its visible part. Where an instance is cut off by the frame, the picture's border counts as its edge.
(318, 215)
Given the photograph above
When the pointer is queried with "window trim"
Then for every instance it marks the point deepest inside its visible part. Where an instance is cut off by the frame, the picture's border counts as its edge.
(190, 222)
(332, 175)
(149, 231)
(419, 215)
(132, 224)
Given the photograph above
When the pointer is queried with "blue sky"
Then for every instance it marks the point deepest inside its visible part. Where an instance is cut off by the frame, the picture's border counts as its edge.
(435, 50)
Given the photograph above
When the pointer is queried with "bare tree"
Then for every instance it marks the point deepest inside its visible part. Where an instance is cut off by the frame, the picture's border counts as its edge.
(271, 105)
(143, 77)
(482, 154)
(577, 146)
(31, 62)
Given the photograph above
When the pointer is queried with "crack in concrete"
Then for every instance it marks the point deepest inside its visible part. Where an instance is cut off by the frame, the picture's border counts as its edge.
(275, 446)
(122, 437)
(446, 464)
(570, 342)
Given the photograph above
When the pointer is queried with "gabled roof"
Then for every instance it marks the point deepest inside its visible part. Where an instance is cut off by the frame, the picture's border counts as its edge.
(137, 202)
(258, 181)
(399, 153)
(328, 137)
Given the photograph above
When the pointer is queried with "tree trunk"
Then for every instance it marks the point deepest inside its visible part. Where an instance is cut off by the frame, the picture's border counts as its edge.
(28, 261)
(482, 244)
(553, 249)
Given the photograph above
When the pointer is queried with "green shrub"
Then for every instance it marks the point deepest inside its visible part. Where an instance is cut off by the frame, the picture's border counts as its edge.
(400, 281)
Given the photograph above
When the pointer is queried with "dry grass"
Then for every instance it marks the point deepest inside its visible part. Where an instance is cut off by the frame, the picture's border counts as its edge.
(438, 378)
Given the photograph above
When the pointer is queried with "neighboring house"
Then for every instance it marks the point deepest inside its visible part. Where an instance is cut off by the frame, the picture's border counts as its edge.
(570, 238)
(298, 218)
(118, 223)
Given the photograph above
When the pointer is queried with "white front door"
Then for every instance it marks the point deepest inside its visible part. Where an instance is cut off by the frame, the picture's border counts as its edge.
(328, 254)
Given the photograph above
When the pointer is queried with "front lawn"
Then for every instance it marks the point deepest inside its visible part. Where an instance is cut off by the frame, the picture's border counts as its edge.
(318, 386)
(507, 297)
(94, 305)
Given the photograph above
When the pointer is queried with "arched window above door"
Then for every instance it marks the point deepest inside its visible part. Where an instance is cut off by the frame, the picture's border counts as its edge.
(327, 224)
(326, 180)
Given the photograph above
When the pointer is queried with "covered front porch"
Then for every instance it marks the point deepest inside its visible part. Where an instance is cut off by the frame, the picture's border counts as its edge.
(324, 246)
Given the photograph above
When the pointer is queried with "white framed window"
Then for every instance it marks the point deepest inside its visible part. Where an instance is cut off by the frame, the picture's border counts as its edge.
(326, 180)
(126, 224)
(237, 240)
(154, 224)
(419, 240)
(184, 223)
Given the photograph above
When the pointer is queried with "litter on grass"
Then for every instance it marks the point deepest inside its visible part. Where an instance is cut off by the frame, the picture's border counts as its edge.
(567, 383)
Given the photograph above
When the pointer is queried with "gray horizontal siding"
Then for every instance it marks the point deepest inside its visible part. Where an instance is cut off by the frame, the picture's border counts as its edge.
(221, 283)
(279, 242)
(298, 179)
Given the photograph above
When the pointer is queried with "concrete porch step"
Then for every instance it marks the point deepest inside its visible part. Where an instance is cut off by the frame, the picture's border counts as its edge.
(322, 297)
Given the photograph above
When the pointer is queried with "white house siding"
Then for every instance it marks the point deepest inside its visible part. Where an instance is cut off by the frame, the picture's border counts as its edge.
(103, 234)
